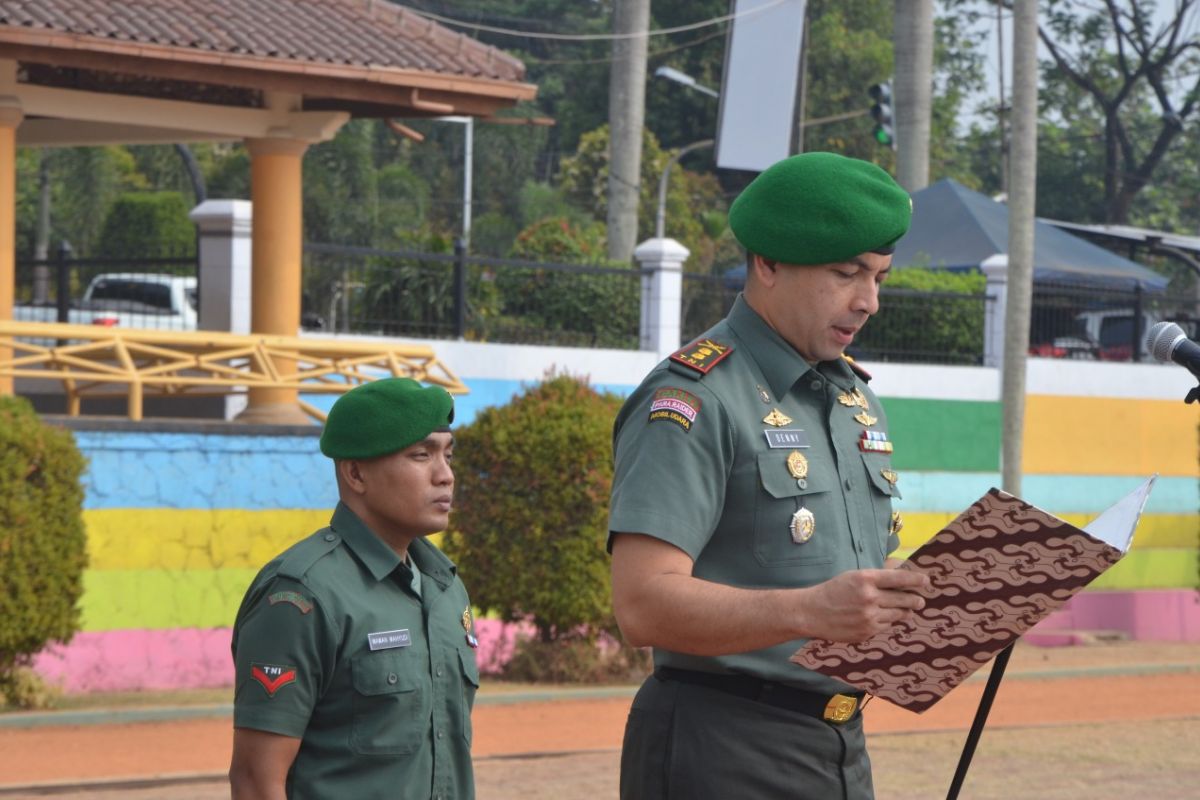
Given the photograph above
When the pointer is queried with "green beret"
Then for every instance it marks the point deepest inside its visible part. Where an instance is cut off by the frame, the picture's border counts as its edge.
(384, 416)
(820, 208)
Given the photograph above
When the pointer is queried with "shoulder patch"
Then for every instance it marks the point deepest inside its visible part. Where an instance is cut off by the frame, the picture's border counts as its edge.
(295, 598)
(670, 404)
(308, 552)
(702, 355)
(856, 369)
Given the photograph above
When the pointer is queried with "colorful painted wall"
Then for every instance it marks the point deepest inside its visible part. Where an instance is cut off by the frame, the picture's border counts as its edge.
(180, 517)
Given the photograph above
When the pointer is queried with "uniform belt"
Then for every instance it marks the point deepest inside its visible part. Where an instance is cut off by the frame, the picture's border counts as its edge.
(834, 709)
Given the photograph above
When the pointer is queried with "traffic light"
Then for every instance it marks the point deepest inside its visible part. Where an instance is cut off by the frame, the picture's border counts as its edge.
(881, 93)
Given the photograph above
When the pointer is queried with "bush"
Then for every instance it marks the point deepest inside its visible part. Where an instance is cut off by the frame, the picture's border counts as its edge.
(929, 314)
(148, 224)
(531, 522)
(42, 547)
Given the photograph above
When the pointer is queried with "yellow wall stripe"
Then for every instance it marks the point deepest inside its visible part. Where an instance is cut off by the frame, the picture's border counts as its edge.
(1109, 436)
(1154, 530)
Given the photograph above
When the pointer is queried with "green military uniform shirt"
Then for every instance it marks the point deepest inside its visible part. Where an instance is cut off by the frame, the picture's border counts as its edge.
(698, 467)
(333, 646)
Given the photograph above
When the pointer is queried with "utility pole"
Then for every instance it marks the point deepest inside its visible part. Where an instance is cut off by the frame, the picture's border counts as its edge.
(1021, 208)
(912, 35)
(626, 112)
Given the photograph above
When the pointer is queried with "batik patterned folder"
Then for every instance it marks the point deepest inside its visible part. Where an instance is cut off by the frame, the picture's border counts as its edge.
(997, 570)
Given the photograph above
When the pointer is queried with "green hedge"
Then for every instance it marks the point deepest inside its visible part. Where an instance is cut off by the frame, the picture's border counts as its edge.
(531, 518)
(42, 546)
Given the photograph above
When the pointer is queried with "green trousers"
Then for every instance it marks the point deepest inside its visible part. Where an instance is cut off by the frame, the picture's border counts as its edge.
(688, 742)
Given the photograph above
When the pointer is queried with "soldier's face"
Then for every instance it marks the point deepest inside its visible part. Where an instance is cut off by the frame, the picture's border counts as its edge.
(819, 309)
(409, 493)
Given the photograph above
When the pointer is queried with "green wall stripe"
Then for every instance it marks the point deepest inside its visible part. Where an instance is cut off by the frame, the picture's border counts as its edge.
(944, 435)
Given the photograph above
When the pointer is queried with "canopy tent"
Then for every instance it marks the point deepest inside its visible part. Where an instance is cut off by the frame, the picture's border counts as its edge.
(956, 228)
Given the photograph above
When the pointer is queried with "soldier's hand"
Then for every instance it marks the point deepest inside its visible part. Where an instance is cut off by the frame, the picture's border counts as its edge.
(857, 605)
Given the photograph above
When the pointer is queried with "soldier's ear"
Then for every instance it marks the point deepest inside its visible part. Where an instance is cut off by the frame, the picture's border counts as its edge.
(350, 473)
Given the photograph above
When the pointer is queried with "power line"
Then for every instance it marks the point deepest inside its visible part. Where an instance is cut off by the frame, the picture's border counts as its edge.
(595, 37)
(609, 59)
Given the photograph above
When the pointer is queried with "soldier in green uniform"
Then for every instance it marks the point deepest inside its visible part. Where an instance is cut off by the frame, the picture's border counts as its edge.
(355, 648)
(751, 506)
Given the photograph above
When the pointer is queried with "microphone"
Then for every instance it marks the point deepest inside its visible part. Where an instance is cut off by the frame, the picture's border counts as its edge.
(1166, 341)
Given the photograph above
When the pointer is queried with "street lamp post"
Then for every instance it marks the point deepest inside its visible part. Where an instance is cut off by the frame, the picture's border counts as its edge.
(690, 82)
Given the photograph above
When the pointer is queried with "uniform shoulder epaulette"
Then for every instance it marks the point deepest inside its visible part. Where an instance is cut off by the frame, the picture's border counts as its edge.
(856, 369)
(300, 559)
(699, 357)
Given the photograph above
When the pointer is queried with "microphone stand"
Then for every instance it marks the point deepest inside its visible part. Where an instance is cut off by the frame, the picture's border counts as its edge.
(981, 714)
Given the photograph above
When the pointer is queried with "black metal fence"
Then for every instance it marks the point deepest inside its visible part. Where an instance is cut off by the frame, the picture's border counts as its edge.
(1107, 324)
(456, 295)
(136, 292)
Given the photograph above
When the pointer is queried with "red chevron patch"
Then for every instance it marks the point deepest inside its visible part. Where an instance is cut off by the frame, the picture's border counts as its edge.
(272, 676)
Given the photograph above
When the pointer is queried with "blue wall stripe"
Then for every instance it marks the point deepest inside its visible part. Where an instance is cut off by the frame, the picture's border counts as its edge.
(954, 491)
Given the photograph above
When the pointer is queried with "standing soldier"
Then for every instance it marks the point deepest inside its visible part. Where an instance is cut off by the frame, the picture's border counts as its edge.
(751, 506)
(354, 649)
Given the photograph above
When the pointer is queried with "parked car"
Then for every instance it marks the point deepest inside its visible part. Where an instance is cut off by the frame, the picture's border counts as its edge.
(127, 300)
(1108, 335)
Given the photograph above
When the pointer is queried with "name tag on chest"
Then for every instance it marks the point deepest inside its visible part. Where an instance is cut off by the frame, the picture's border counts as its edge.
(386, 640)
(789, 439)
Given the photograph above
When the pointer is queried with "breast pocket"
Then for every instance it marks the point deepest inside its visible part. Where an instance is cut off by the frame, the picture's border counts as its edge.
(796, 520)
(390, 704)
(470, 685)
(883, 491)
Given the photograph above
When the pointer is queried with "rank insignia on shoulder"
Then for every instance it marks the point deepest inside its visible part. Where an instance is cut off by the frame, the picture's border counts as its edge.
(671, 404)
(294, 598)
(702, 355)
(856, 369)
(272, 677)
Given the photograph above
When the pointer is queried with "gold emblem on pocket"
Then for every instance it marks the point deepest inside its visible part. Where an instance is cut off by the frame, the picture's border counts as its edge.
(797, 464)
(466, 619)
(777, 418)
(803, 526)
(890, 475)
(897, 524)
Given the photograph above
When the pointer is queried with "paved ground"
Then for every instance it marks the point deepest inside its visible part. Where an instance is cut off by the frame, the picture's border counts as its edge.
(1106, 722)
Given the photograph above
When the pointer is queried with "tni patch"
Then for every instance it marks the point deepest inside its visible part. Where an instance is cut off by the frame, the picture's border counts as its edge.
(702, 355)
(298, 600)
(272, 677)
(674, 405)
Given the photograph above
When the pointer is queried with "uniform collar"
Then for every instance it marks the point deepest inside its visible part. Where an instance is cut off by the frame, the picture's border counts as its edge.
(381, 560)
(781, 365)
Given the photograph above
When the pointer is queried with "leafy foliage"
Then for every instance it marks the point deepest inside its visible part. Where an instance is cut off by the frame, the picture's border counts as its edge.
(531, 517)
(42, 546)
(949, 328)
(148, 224)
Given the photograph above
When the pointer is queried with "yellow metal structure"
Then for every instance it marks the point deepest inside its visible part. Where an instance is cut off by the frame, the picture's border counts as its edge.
(93, 361)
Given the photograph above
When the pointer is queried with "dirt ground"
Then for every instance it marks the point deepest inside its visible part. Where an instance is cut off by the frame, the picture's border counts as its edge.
(1104, 722)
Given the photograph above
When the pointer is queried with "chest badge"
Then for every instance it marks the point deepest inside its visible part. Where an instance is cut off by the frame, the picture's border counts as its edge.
(468, 623)
(777, 418)
(863, 418)
(797, 465)
(803, 526)
(854, 398)
(874, 442)
(897, 523)
(762, 395)
(890, 475)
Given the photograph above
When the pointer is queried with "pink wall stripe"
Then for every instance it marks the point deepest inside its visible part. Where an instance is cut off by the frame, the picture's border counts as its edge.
(194, 658)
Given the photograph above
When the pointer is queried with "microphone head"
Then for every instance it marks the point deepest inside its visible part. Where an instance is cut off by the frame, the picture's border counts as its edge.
(1162, 339)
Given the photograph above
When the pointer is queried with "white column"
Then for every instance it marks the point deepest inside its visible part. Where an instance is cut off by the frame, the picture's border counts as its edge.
(662, 294)
(996, 269)
(225, 254)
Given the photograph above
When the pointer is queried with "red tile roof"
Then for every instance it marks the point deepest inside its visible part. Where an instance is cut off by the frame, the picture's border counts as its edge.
(372, 34)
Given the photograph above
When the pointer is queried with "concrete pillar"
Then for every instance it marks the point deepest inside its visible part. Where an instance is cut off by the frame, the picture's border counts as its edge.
(10, 119)
(662, 295)
(996, 269)
(276, 244)
(224, 227)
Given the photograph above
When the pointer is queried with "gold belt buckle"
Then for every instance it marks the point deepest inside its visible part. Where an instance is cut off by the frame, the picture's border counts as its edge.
(840, 708)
